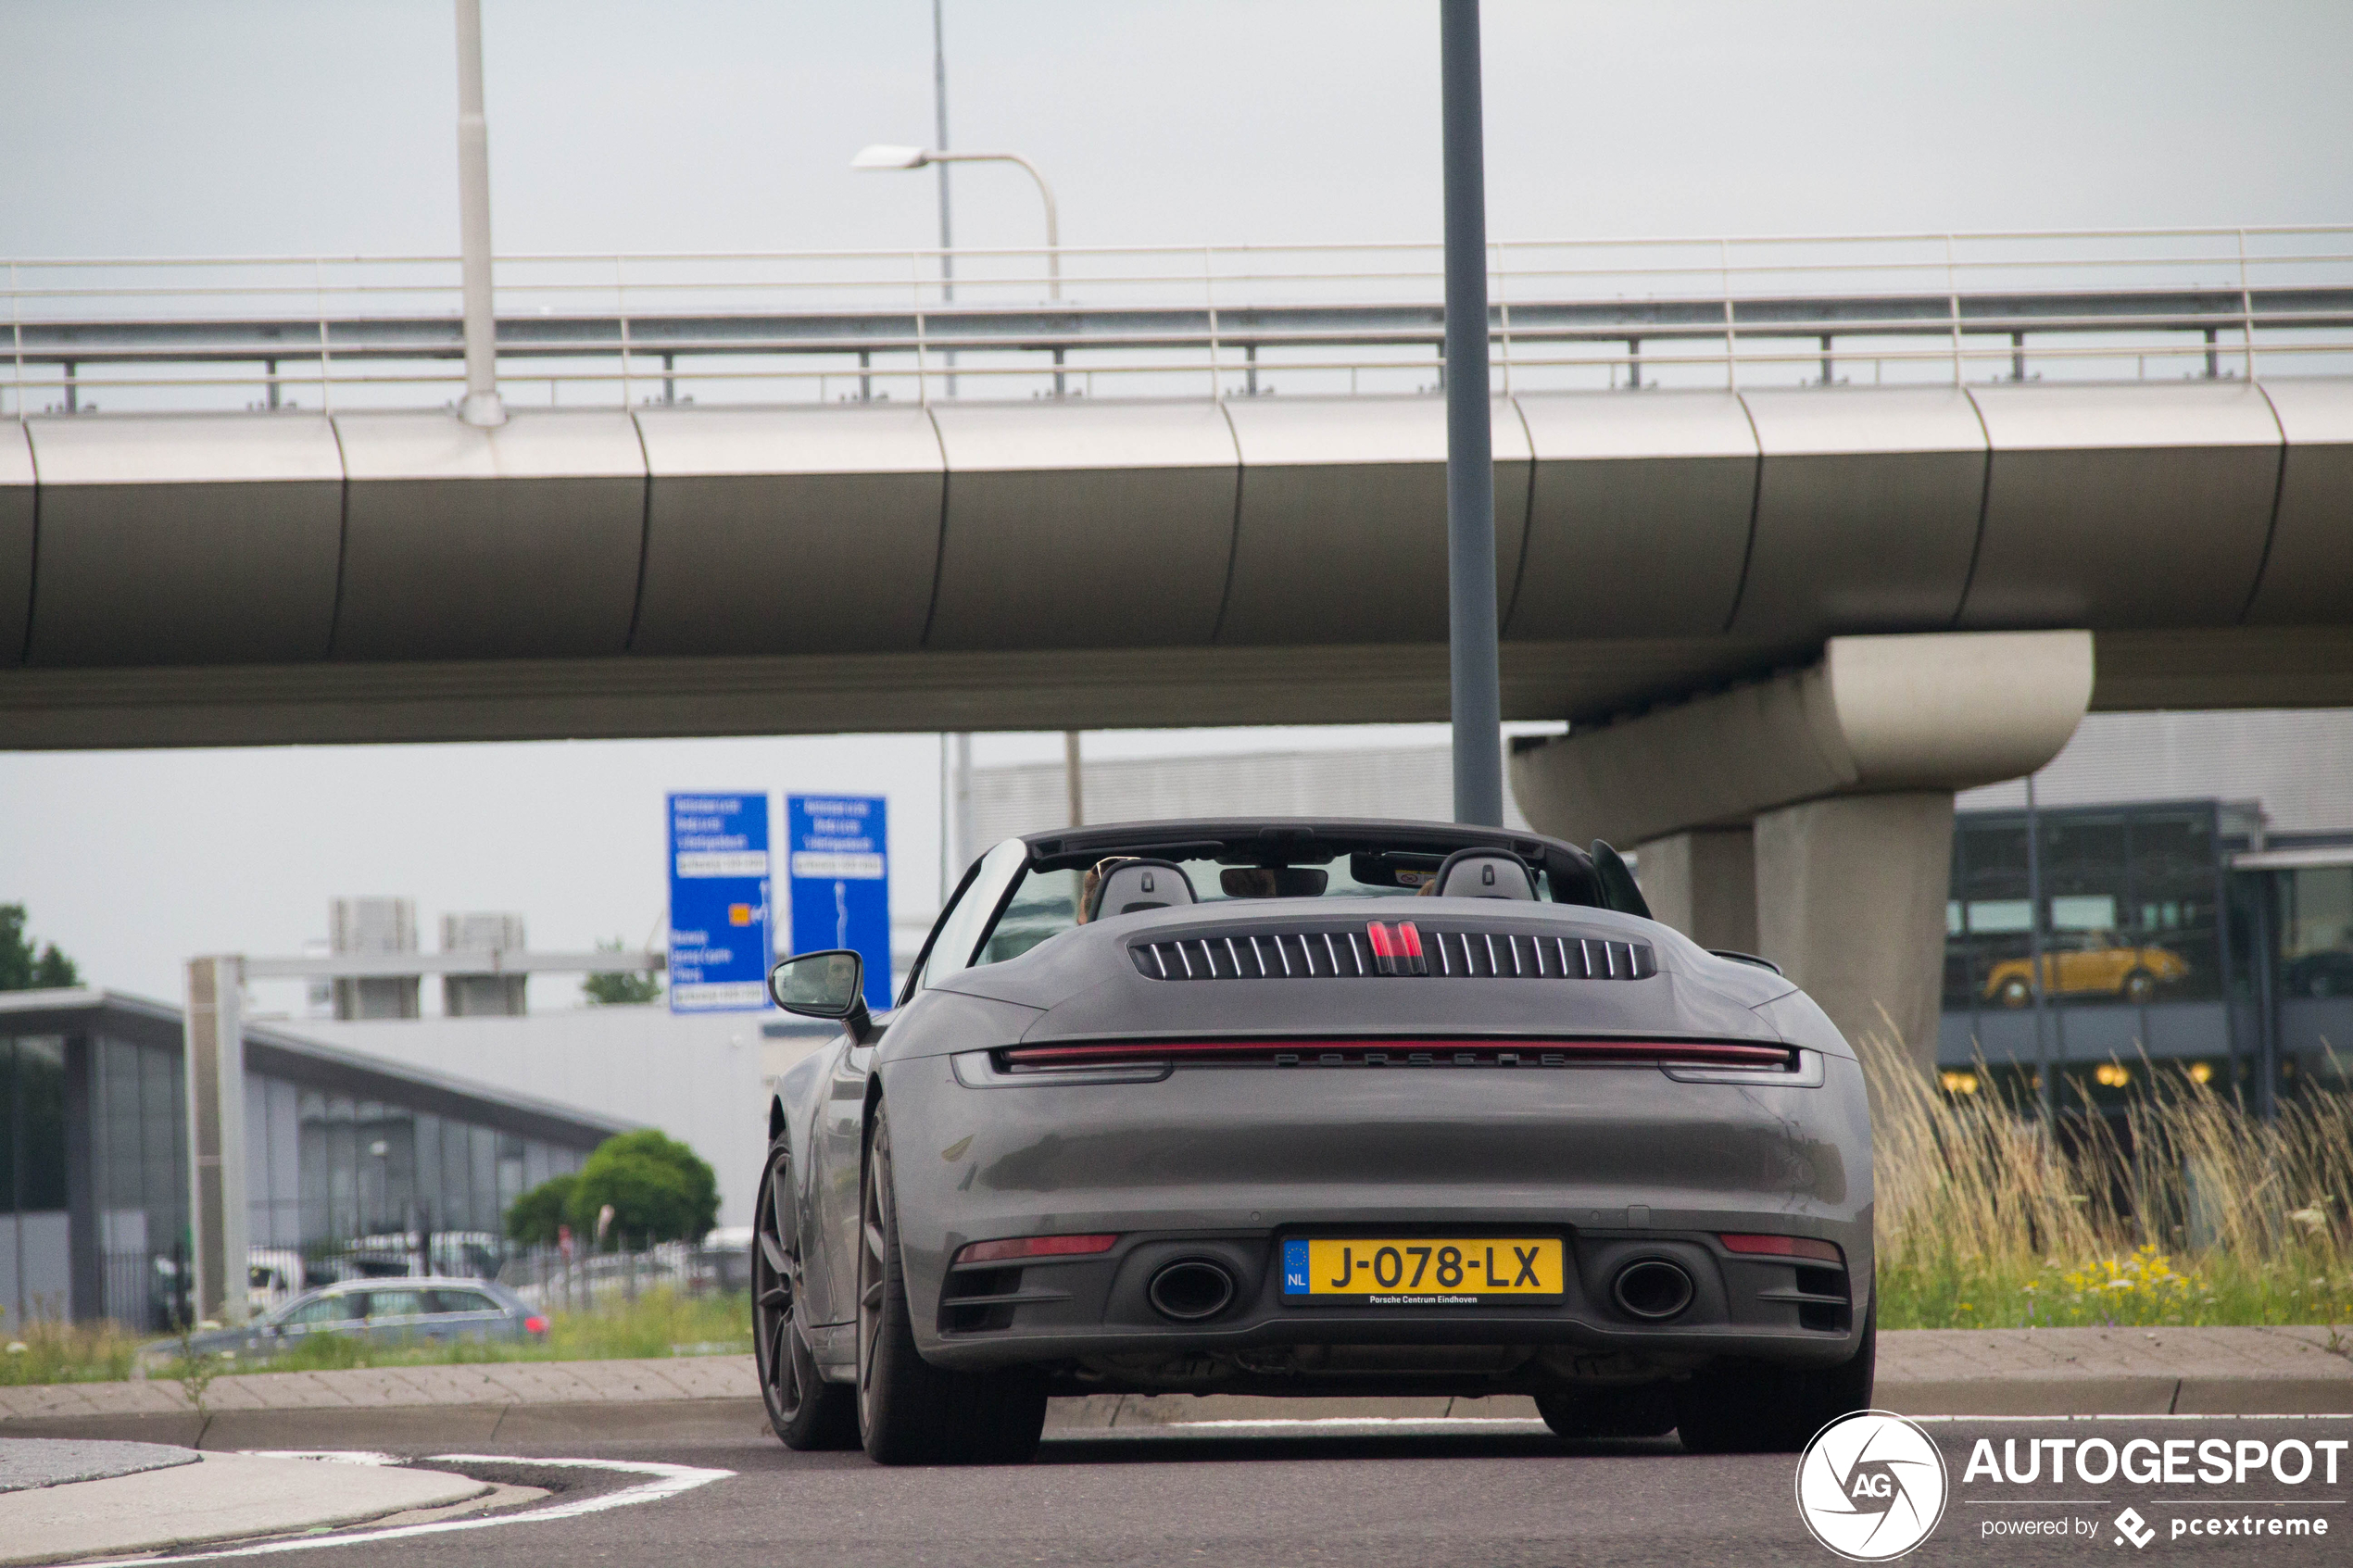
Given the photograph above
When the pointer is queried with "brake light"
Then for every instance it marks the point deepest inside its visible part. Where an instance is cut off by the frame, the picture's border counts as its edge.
(534, 1324)
(1397, 951)
(1017, 1247)
(1784, 1246)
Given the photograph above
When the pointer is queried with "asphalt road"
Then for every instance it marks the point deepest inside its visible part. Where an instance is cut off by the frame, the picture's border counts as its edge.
(1498, 1498)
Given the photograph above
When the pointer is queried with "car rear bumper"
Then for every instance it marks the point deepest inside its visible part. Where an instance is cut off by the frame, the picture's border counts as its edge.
(1623, 1164)
(1097, 1313)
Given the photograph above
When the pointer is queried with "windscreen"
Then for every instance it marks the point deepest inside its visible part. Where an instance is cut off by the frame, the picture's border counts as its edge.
(1046, 903)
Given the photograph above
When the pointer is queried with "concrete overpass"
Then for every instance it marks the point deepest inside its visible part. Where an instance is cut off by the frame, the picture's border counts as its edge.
(816, 493)
(207, 579)
(1781, 610)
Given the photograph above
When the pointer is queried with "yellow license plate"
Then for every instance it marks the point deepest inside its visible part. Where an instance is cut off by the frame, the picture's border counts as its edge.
(1442, 1272)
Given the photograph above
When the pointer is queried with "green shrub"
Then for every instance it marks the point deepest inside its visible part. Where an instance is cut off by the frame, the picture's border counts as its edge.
(659, 1190)
(534, 1219)
(620, 987)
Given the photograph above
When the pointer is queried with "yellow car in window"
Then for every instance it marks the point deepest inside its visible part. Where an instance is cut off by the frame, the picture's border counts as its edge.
(2099, 965)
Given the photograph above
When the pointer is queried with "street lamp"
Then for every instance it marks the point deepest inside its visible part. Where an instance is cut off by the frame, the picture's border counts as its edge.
(881, 157)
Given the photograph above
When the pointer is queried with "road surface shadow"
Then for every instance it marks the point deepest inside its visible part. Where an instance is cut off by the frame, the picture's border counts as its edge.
(1178, 1446)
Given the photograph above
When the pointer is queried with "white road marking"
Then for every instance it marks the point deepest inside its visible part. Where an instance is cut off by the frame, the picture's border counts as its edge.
(1323, 1422)
(669, 1480)
(1443, 1424)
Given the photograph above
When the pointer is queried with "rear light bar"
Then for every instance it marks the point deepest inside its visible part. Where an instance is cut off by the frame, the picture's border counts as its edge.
(1784, 1246)
(1404, 1053)
(1014, 1248)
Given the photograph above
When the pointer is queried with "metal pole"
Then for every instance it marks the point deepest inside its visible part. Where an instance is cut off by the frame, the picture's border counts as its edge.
(1470, 461)
(2264, 886)
(2042, 1064)
(214, 1061)
(481, 406)
(955, 803)
(940, 127)
(1074, 779)
(965, 849)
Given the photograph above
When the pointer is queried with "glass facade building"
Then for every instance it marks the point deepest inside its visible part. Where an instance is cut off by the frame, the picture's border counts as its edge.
(326, 1168)
(36, 1258)
(93, 1154)
(2162, 932)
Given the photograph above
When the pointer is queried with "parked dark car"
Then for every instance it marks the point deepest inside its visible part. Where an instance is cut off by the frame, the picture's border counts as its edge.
(428, 1310)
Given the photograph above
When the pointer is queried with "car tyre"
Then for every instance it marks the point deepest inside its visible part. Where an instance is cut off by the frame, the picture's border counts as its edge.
(2016, 992)
(910, 1411)
(2139, 986)
(1643, 1411)
(1747, 1409)
(804, 1410)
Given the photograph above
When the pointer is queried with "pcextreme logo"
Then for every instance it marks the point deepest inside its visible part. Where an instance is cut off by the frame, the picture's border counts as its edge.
(1870, 1486)
(2264, 1482)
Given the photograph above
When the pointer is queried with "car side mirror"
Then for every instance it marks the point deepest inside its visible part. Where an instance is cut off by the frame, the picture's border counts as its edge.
(826, 985)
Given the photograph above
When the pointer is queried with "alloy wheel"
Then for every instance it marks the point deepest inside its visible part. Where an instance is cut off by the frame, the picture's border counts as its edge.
(775, 1285)
(872, 1228)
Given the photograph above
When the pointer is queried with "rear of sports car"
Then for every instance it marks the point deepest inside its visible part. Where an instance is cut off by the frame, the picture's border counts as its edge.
(1407, 1145)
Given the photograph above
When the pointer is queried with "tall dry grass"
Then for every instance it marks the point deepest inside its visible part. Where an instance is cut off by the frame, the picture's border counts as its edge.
(47, 1350)
(2196, 1213)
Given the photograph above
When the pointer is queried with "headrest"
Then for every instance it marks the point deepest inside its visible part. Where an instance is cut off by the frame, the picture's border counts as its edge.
(1485, 873)
(1140, 884)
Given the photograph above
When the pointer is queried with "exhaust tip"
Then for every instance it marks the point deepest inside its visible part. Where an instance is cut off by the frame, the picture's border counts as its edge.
(1190, 1290)
(1653, 1289)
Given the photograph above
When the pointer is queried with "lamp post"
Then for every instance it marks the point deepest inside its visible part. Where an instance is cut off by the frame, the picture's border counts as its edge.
(939, 138)
(882, 158)
(1470, 455)
(481, 407)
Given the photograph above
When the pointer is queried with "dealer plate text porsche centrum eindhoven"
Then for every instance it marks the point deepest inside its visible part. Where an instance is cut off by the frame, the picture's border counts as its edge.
(1422, 1271)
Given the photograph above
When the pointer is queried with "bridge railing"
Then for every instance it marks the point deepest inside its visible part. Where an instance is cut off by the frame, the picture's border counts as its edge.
(339, 332)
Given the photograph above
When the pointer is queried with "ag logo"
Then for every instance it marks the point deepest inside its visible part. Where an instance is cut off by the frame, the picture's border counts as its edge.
(1870, 1486)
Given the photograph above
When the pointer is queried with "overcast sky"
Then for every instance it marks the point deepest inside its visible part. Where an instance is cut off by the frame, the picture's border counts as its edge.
(297, 127)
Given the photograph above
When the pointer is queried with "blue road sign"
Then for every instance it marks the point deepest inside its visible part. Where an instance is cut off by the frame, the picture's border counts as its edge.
(839, 865)
(720, 950)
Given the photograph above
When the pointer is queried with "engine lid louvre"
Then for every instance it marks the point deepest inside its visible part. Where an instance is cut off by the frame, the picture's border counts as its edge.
(1440, 952)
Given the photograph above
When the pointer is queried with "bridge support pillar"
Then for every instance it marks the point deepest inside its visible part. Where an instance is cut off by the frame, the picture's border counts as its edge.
(1703, 884)
(1839, 778)
(1850, 902)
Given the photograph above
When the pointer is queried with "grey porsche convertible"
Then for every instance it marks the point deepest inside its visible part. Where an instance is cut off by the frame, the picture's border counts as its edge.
(1311, 1108)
